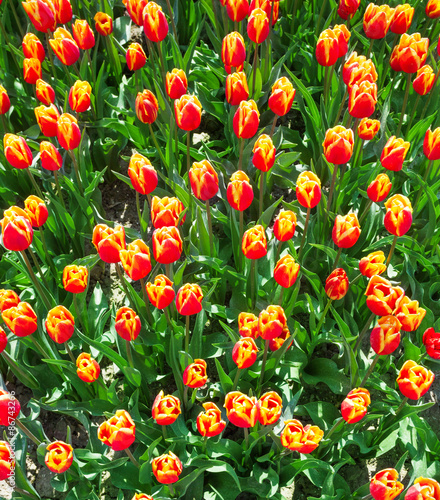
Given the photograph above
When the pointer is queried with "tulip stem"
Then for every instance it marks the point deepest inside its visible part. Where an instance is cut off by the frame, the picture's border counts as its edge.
(401, 406)
(188, 166)
(169, 271)
(254, 72)
(147, 303)
(370, 370)
(75, 166)
(170, 12)
(332, 188)
(333, 429)
(263, 366)
(77, 312)
(240, 154)
(164, 432)
(27, 432)
(121, 278)
(70, 353)
(187, 339)
(157, 146)
(421, 189)
(17, 20)
(338, 255)
(162, 61)
(39, 348)
(211, 243)
(261, 193)
(40, 272)
(34, 183)
(365, 212)
(413, 114)
(323, 315)
(34, 280)
(341, 106)
(236, 379)
(274, 122)
(240, 251)
(303, 239)
(405, 102)
(246, 437)
(370, 49)
(268, 40)
(393, 246)
(252, 278)
(131, 457)
(101, 384)
(138, 208)
(279, 246)
(430, 95)
(280, 300)
(185, 398)
(46, 252)
(129, 353)
(363, 332)
(321, 13)
(57, 184)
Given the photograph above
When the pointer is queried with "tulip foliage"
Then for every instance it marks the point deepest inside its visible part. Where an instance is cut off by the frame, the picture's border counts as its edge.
(220, 249)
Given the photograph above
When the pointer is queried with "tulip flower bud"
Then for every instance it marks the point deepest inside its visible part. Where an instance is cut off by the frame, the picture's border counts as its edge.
(385, 337)
(368, 129)
(239, 192)
(409, 313)
(142, 174)
(127, 323)
(3, 339)
(108, 242)
(8, 298)
(189, 299)
(118, 432)
(254, 243)
(32, 47)
(31, 70)
(7, 461)
(343, 35)
(241, 409)
(346, 230)
(431, 341)
(414, 380)
(59, 457)
(372, 264)
(355, 405)
(79, 96)
(246, 120)
(402, 19)
(41, 13)
(146, 106)
(60, 324)
(338, 145)
(63, 11)
(244, 352)
(165, 409)
(68, 134)
(83, 34)
(45, 93)
(161, 292)
(296, 437)
(351, 64)
(362, 99)
(424, 80)
(264, 153)
(5, 102)
(209, 422)
(410, 53)
(424, 489)
(336, 285)
(284, 225)
(233, 50)
(237, 10)
(75, 278)
(87, 368)
(65, 47)
(9, 408)
(50, 157)
(377, 20)
(394, 153)
(136, 260)
(431, 144)
(203, 179)
(135, 9)
(382, 296)
(308, 189)
(20, 319)
(327, 48)
(269, 406)
(167, 468)
(237, 89)
(282, 96)
(47, 119)
(17, 231)
(195, 375)
(167, 245)
(36, 210)
(398, 218)
(268, 6)
(286, 271)
(188, 111)
(379, 189)
(432, 9)
(248, 325)
(165, 212)
(16, 151)
(103, 23)
(347, 8)
(155, 22)
(271, 322)
(258, 24)
(176, 83)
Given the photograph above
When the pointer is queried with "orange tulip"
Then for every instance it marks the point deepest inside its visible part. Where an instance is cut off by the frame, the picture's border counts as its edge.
(372, 264)
(254, 243)
(195, 375)
(241, 409)
(155, 22)
(127, 323)
(244, 352)
(135, 260)
(347, 8)
(9, 408)
(20, 319)
(237, 89)
(248, 325)
(286, 271)
(284, 225)
(31, 70)
(41, 13)
(346, 230)
(45, 93)
(166, 212)
(282, 96)
(377, 20)
(237, 10)
(264, 153)
(367, 129)
(270, 407)
(8, 298)
(7, 461)
(17, 231)
(63, 11)
(87, 368)
(431, 144)
(379, 189)
(382, 296)
(135, 9)
(327, 48)
(246, 120)
(161, 292)
(431, 341)
(32, 47)
(142, 496)
(167, 468)
(271, 322)
(108, 242)
(17, 152)
(343, 35)
(60, 324)
(352, 63)
(142, 174)
(402, 19)
(103, 23)
(424, 80)
(414, 380)
(424, 489)
(233, 50)
(146, 106)
(188, 111)
(176, 83)
(209, 422)
(336, 285)
(50, 157)
(118, 432)
(308, 189)
(68, 133)
(167, 245)
(83, 34)
(165, 409)
(394, 153)
(47, 119)
(59, 456)
(410, 54)
(189, 299)
(432, 9)
(79, 96)
(36, 210)
(239, 192)
(338, 145)
(355, 405)
(203, 179)
(398, 218)
(3, 340)
(258, 24)
(65, 47)
(409, 313)
(268, 6)
(75, 278)
(362, 99)
(385, 337)
(298, 438)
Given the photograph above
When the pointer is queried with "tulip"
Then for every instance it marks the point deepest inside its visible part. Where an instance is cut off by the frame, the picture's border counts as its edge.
(7, 461)
(176, 83)
(127, 323)
(246, 120)
(424, 489)
(87, 368)
(237, 89)
(244, 352)
(264, 153)
(248, 325)
(394, 153)
(233, 50)
(424, 81)
(79, 96)
(142, 174)
(343, 35)
(155, 23)
(431, 144)
(167, 468)
(239, 192)
(195, 375)
(17, 232)
(136, 260)
(161, 292)
(21, 319)
(355, 405)
(50, 156)
(402, 19)
(135, 9)
(165, 409)
(352, 63)
(414, 380)
(47, 119)
(241, 409)
(65, 47)
(204, 180)
(362, 99)
(382, 296)
(3, 340)
(268, 6)
(338, 145)
(409, 313)
(75, 278)
(336, 285)
(327, 48)
(146, 106)
(209, 422)
(385, 486)
(365, 72)
(385, 338)
(188, 111)
(41, 13)
(379, 189)
(271, 322)
(63, 11)
(108, 242)
(398, 218)
(346, 230)
(372, 264)
(432, 9)
(377, 20)
(347, 8)
(189, 299)
(254, 243)
(8, 298)
(282, 96)
(45, 93)
(431, 341)
(32, 70)
(286, 271)
(269, 408)
(308, 189)
(142, 496)
(9, 408)
(367, 129)
(16, 151)
(258, 24)
(166, 212)
(118, 432)
(83, 34)
(167, 245)
(103, 23)
(60, 324)
(284, 225)
(68, 134)
(237, 10)
(410, 54)
(296, 437)
(32, 47)
(36, 210)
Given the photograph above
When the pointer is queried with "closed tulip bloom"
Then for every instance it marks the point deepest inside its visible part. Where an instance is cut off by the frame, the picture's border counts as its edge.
(63, 11)
(65, 47)
(83, 34)
(68, 134)
(271, 322)
(394, 153)
(31, 70)
(298, 438)
(195, 375)
(385, 337)
(165, 212)
(75, 278)
(327, 48)
(343, 35)
(254, 243)
(209, 422)
(237, 89)
(424, 489)
(414, 380)
(432, 9)
(167, 245)
(50, 156)
(377, 20)
(8, 298)
(135, 9)
(45, 93)
(146, 106)
(355, 405)
(36, 210)
(17, 152)
(189, 299)
(32, 47)
(3, 339)
(379, 189)
(60, 324)
(372, 264)
(336, 285)
(167, 468)
(402, 19)
(9, 408)
(264, 153)
(142, 174)
(368, 129)
(176, 83)
(241, 409)
(127, 323)
(188, 111)
(338, 145)
(20, 319)
(203, 179)
(165, 409)
(246, 120)
(59, 456)
(233, 50)
(286, 271)
(239, 192)
(103, 23)
(352, 63)
(118, 432)
(258, 25)
(431, 144)
(17, 232)
(431, 341)
(282, 96)
(79, 96)
(409, 313)
(410, 54)
(284, 225)
(347, 8)
(270, 406)
(142, 496)
(41, 13)
(382, 296)
(155, 22)
(398, 218)
(248, 325)
(244, 352)
(47, 119)
(160, 292)
(424, 80)
(362, 99)
(87, 368)
(237, 10)
(7, 461)
(346, 230)
(135, 260)
(108, 242)
(308, 189)
(267, 6)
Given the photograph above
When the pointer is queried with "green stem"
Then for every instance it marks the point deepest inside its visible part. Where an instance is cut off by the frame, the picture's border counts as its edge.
(365, 212)
(263, 366)
(332, 188)
(39, 348)
(138, 208)
(27, 432)
(34, 183)
(40, 272)
(405, 102)
(274, 122)
(370, 370)
(131, 457)
(57, 184)
(162, 64)
(147, 302)
(157, 146)
(333, 429)
(186, 339)
(240, 252)
(324, 313)
(170, 12)
(17, 20)
(393, 246)
(121, 278)
(46, 252)
(129, 353)
(252, 278)
(34, 280)
(363, 332)
(237, 377)
(261, 193)
(338, 255)
(321, 12)
(303, 239)
(413, 114)
(421, 189)
(75, 166)
(70, 353)
(341, 107)
(254, 74)
(211, 243)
